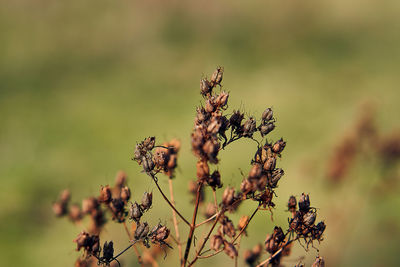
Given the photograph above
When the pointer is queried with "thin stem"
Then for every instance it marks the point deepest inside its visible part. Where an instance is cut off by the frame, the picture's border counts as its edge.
(167, 200)
(215, 200)
(275, 254)
(193, 224)
(208, 220)
(247, 223)
(238, 248)
(211, 255)
(178, 241)
(206, 238)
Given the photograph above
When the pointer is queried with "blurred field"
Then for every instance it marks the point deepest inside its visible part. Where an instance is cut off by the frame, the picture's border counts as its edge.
(82, 81)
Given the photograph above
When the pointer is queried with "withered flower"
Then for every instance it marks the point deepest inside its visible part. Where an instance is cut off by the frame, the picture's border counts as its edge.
(216, 77)
(292, 204)
(159, 234)
(230, 249)
(267, 115)
(141, 231)
(147, 201)
(215, 180)
(135, 212)
(279, 146)
(105, 194)
(108, 251)
(228, 197)
(304, 202)
(90, 243)
(249, 127)
(205, 87)
(125, 193)
(216, 242)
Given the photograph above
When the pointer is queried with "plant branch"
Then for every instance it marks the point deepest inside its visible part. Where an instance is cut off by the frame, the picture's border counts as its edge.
(211, 255)
(193, 224)
(208, 220)
(167, 200)
(134, 246)
(178, 241)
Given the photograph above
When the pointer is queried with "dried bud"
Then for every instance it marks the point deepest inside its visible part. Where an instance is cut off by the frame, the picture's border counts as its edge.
(222, 99)
(108, 251)
(149, 143)
(243, 222)
(270, 164)
(135, 212)
(120, 179)
(228, 197)
(304, 202)
(247, 187)
(309, 218)
(255, 171)
(215, 180)
(227, 227)
(292, 204)
(319, 262)
(205, 87)
(59, 209)
(249, 127)
(141, 231)
(216, 77)
(105, 194)
(89, 205)
(236, 119)
(210, 105)
(75, 213)
(90, 243)
(117, 207)
(65, 196)
(148, 163)
(203, 170)
(267, 128)
(125, 193)
(159, 233)
(216, 242)
(230, 249)
(210, 210)
(279, 146)
(147, 201)
(276, 176)
(267, 114)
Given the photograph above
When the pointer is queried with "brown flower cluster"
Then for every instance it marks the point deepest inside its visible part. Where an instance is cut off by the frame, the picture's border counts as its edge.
(214, 129)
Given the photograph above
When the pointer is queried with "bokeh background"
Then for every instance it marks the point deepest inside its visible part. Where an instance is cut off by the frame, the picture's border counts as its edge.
(82, 81)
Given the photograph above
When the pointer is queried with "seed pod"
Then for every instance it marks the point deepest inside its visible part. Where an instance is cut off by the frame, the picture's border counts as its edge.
(292, 204)
(149, 143)
(215, 180)
(205, 87)
(309, 218)
(216, 77)
(89, 205)
(267, 114)
(236, 119)
(141, 231)
(159, 233)
(319, 262)
(65, 196)
(276, 176)
(210, 107)
(105, 194)
(228, 228)
(75, 213)
(160, 157)
(255, 171)
(147, 201)
(228, 197)
(203, 170)
(135, 212)
(222, 99)
(137, 155)
(249, 127)
(304, 202)
(108, 251)
(270, 164)
(216, 242)
(59, 209)
(230, 249)
(279, 146)
(267, 128)
(148, 164)
(125, 193)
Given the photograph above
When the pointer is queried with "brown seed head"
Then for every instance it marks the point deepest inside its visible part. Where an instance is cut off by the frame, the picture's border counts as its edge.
(105, 194)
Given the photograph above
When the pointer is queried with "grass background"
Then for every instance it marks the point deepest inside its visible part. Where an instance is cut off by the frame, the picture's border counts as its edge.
(82, 81)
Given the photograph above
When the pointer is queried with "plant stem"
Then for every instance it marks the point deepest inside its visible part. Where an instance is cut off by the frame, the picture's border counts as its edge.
(167, 200)
(208, 220)
(193, 224)
(178, 241)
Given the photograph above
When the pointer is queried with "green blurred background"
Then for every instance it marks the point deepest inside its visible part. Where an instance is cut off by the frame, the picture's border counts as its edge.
(82, 81)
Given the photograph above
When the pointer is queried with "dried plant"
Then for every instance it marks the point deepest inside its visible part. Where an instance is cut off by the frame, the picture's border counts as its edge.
(213, 131)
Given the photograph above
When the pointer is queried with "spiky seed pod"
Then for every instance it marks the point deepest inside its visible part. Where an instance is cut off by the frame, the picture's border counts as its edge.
(141, 231)
(270, 164)
(205, 87)
(309, 218)
(135, 212)
(267, 128)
